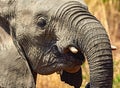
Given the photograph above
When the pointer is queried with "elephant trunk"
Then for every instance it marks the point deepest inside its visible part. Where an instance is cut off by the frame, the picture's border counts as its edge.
(92, 40)
(94, 43)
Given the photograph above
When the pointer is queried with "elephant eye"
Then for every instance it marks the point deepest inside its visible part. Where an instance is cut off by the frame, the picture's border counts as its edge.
(42, 22)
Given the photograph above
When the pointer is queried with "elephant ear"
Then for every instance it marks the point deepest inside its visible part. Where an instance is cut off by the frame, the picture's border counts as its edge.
(14, 70)
(73, 79)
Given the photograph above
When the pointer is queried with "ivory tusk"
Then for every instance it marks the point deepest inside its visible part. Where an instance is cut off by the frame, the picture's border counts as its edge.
(73, 50)
(113, 47)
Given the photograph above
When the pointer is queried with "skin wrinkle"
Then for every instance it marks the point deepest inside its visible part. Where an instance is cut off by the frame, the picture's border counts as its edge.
(81, 27)
(68, 21)
(89, 36)
(63, 15)
(50, 59)
(90, 42)
(70, 12)
(30, 52)
(67, 26)
(67, 11)
(93, 54)
(60, 15)
(73, 20)
(65, 6)
(95, 42)
(90, 62)
(84, 21)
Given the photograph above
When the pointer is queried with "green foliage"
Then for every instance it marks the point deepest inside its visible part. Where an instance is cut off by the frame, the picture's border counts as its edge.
(117, 79)
(115, 3)
(104, 1)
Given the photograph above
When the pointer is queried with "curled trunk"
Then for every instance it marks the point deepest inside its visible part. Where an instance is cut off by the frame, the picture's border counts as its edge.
(96, 46)
(93, 41)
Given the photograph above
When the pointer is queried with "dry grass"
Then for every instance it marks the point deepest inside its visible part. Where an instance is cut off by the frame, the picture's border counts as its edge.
(108, 13)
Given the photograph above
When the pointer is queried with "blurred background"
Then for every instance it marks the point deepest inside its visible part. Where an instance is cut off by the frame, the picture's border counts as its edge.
(108, 12)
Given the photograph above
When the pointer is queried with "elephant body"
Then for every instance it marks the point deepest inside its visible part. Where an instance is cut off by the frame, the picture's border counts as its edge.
(47, 36)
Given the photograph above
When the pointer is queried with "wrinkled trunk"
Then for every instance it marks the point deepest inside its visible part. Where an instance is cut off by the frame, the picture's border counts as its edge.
(93, 41)
(95, 44)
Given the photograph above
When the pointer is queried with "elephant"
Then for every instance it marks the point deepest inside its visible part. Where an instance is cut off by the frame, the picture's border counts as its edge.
(48, 36)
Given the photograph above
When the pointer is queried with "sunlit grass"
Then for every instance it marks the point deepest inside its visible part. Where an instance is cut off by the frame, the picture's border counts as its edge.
(115, 3)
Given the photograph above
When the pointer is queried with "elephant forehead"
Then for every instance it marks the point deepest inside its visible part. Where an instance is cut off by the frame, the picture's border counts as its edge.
(33, 7)
(43, 5)
(53, 4)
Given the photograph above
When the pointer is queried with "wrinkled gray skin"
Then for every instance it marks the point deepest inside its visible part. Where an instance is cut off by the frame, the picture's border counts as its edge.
(42, 31)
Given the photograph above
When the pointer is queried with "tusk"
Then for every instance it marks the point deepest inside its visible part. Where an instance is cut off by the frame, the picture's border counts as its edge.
(73, 50)
(113, 47)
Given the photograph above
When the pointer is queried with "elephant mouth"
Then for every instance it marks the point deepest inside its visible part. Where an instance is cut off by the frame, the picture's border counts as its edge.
(70, 61)
(75, 57)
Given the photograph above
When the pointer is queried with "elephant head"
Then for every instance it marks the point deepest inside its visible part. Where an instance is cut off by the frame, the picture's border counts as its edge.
(55, 35)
